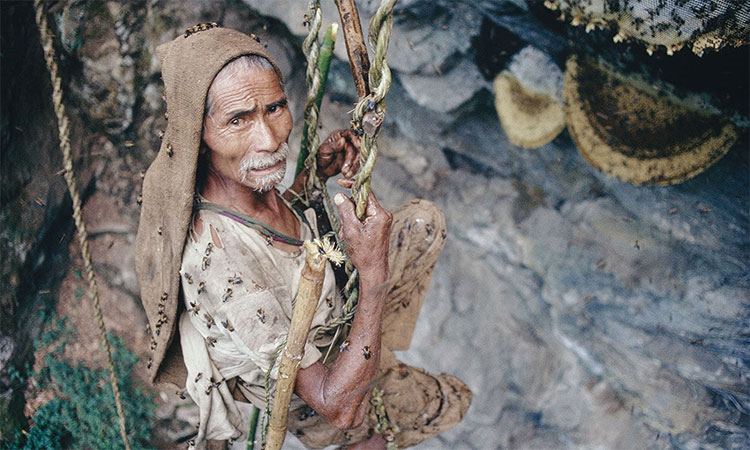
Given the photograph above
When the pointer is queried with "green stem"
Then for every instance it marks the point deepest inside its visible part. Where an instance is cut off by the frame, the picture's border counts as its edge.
(253, 427)
(324, 62)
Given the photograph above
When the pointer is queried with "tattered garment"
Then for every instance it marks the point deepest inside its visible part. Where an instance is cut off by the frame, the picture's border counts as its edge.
(238, 293)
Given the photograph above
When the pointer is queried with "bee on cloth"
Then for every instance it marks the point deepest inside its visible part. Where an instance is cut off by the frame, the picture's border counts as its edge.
(227, 294)
(153, 345)
(206, 262)
(180, 394)
(235, 280)
(261, 315)
(194, 308)
(199, 376)
(209, 320)
(201, 287)
(188, 278)
(227, 325)
(211, 341)
(344, 346)
(209, 247)
(366, 352)
(150, 363)
(329, 302)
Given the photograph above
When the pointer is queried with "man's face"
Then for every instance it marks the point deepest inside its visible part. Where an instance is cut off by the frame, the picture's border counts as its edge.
(247, 130)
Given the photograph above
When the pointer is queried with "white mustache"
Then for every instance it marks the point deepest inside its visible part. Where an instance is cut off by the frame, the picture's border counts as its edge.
(257, 161)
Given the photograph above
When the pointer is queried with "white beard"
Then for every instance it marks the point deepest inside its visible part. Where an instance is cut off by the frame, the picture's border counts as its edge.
(258, 162)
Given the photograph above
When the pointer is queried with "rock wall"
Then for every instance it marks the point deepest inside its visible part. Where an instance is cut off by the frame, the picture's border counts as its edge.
(582, 311)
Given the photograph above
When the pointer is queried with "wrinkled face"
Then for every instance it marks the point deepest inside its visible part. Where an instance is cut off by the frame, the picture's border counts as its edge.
(247, 129)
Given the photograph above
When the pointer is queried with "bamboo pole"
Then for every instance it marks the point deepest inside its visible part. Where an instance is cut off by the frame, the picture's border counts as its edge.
(310, 287)
(355, 45)
(324, 63)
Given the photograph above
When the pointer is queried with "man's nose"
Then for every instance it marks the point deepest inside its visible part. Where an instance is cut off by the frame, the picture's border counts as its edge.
(264, 138)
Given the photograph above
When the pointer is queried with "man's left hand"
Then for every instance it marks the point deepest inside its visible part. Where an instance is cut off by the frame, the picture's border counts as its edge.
(339, 153)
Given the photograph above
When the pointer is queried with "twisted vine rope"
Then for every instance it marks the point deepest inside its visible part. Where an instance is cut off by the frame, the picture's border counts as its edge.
(379, 35)
(311, 49)
(64, 137)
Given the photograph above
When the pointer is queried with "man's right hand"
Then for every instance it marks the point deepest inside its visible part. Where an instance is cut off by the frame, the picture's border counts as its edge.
(366, 241)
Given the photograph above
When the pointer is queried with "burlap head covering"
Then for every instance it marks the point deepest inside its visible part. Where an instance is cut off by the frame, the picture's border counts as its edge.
(189, 65)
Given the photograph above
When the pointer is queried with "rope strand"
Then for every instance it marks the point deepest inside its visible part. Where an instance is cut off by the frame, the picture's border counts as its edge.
(70, 179)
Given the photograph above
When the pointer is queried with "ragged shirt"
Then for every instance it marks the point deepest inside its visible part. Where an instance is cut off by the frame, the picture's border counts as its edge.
(238, 293)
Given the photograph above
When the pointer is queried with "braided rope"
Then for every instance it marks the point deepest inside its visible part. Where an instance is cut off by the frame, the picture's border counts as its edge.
(311, 49)
(70, 179)
(379, 35)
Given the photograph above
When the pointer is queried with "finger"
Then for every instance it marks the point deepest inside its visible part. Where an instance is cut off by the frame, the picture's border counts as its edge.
(346, 209)
(353, 138)
(345, 182)
(373, 206)
(351, 161)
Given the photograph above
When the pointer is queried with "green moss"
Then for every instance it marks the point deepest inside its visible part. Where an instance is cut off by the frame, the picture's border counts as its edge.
(83, 414)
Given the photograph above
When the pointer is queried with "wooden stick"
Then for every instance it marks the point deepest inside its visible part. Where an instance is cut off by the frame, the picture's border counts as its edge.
(310, 288)
(355, 45)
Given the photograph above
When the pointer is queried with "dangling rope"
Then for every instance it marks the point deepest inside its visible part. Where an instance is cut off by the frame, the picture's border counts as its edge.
(70, 179)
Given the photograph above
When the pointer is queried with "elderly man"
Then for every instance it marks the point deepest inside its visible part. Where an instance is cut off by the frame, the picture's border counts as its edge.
(219, 260)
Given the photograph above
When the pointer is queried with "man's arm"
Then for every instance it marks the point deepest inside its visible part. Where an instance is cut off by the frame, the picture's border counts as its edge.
(338, 392)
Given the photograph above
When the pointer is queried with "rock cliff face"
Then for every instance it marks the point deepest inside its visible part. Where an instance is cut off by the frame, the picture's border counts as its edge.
(582, 311)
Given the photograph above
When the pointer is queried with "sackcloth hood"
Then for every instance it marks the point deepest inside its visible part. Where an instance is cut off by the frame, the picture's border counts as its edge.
(189, 64)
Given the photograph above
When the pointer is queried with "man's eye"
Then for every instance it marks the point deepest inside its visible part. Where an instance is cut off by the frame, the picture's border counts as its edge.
(273, 108)
(235, 121)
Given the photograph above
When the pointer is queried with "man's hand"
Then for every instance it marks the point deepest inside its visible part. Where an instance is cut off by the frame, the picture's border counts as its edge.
(339, 153)
(366, 241)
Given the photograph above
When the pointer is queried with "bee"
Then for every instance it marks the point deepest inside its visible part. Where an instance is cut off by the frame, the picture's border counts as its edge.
(191, 442)
(208, 389)
(227, 294)
(143, 174)
(235, 280)
(194, 308)
(209, 320)
(261, 315)
(344, 346)
(257, 286)
(227, 325)
(160, 230)
(148, 329)
(206, 262)
(150, 363)
(199, 376)
(231, 442)
(209, 247)
(366, 352)
(161, 308)
(180, 394)
(158, 330)
(201, 287)
(153, 345)
(211, 341)
(139, 199)
(161, 134)
(218, 383)
(329, 302)
(170, 151)
(188, 278)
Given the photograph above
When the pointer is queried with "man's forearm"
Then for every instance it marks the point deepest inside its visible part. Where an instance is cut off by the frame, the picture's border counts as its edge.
(345, 385)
